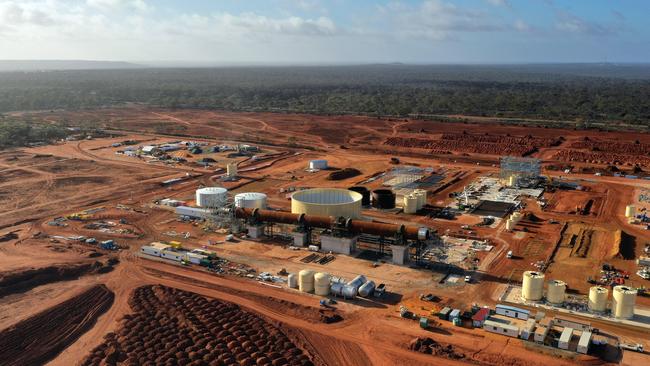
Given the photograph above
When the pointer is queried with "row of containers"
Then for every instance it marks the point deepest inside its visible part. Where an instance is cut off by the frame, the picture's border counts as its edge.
(323, 284)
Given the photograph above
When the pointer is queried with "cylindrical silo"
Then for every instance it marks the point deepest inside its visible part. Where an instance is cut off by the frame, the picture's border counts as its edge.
(383, 198)
(510, 225)
(630, 211)
(292, 280)
(533, 286)
(327, 202)
(623, 300)
(306, 280)
(598, 299)
(211, 197)
(516, 216)
(322, 284)
(421, 194)
(367, 289)
(410, 204)
(555, 292)
(231, 170)
(250, 200)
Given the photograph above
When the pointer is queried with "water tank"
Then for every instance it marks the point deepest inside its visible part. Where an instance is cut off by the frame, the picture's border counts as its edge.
(337, 289)
(231, 170)
(322, 284)
(365, 193)
(292, 280)
(383, 198)
(598, 299)
(630, 211)
(367, 289)
(327, 202)
(533, 286)
(410, 204)
(250, 200)
(349, 292)
(357, 282)
(555, 292)
(306, 280)
(211, 197)
(623, 299)
(510, 225)
(318, 164)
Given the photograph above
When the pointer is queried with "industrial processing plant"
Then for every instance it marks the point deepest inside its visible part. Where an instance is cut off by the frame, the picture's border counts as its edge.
(190, 236)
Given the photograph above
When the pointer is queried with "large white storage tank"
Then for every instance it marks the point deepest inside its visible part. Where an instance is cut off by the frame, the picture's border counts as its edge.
(327, 202)
(533, 286)
(598, 299)
(211, 197)
(250, 200)
(322, 283)
(623, 302)
(318, 164)
(556, 292)
(306, 280)
(410, 204)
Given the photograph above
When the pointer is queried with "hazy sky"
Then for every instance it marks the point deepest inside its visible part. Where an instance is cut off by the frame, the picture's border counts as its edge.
(334, 31)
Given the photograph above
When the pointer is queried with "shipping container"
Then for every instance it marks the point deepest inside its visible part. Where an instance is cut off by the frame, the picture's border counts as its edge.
(512, 312)
(500, 328)
(444, 313)
(565, 338)
(584, 342)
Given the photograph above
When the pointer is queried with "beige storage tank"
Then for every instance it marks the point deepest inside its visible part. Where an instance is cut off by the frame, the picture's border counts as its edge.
(306, 280)
(250, 200)
(327, 202)
(510, 225)
(532, 288)
(623, 299)
(292, 280)
(516, 216)
(598, 299)
(630, 211)
(421, 194)
(322, 284)
(410, 204)
(555, 292)
(231, 170)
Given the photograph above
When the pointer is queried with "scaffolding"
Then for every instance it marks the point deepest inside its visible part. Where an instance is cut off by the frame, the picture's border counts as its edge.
(520, 172)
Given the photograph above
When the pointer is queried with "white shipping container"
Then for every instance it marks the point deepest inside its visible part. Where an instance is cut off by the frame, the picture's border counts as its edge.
(168, 254)
(194, 258)
(583, 343)
(150, 250)
(499, 328)
(565, 338)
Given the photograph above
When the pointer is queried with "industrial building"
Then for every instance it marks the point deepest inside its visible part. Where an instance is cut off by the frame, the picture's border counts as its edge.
(512, 312)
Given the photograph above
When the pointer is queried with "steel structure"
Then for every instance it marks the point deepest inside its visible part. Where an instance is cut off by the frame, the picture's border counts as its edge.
(519, 170)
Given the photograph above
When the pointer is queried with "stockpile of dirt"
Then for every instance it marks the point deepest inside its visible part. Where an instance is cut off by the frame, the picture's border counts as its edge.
(431, 347)
(175, 327)
(26, 279)
(617, 147)
(597, 157)
(37, 340)
(343, 174)
(478, 144)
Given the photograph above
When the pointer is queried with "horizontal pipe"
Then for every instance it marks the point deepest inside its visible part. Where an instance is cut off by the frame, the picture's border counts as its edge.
(328, 222)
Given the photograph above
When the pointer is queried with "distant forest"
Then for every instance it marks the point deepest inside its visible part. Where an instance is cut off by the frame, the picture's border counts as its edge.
(591, 92)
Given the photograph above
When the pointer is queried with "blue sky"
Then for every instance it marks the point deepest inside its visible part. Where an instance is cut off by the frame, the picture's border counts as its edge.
(327, 32)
